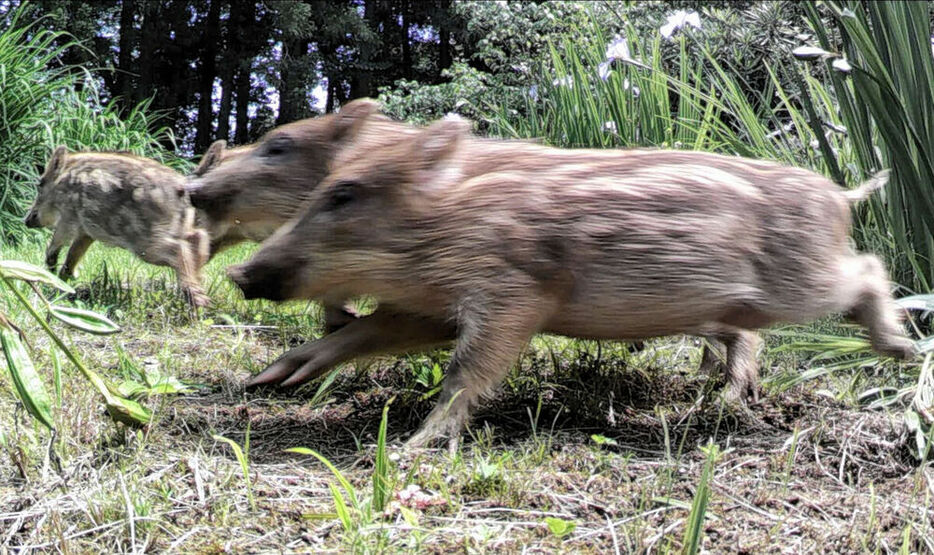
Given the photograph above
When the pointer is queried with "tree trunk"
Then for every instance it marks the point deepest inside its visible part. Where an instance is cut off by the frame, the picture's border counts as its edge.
(291, 93)
(228, 73)
(329, 103)
(360, 82)
(243, 103)
(223, 115)
(406, 42)
(444, 36)
(147, 46)
(246, 15)
(123, 86)
(206, 78)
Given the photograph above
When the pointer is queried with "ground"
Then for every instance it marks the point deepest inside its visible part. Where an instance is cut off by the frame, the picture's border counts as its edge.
(607, 441)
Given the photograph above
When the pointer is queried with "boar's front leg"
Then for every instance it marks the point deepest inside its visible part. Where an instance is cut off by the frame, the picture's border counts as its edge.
(63, 235)
(336, 317)
(384, 331)
(489, 341)
(75, 253)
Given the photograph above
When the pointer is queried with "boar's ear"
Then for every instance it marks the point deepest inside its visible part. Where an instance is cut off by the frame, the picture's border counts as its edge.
(55, 163)
(211, 158)
(347, 122)
(440, 139)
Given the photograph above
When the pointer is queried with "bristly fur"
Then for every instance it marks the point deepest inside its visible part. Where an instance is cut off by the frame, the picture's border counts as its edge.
(125, 201)
(499, 240)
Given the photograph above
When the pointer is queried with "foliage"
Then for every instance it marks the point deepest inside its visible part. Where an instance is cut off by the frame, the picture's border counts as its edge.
(29, 386)
(359, 513)
(886, 103)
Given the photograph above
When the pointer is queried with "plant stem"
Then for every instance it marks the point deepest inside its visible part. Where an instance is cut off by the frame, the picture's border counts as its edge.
(96, 380)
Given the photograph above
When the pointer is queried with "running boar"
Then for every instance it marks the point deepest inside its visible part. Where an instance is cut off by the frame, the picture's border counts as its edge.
(121, 200)
(246, 193)
(608, 244)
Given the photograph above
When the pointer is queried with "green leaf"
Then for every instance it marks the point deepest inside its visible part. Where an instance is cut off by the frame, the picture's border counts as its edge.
(128, 412)
(381, 465)
(337, 473)
(84, 320)
(132, 389)
(560, 527)
(26, 380)
(603, 440)
(24, 271)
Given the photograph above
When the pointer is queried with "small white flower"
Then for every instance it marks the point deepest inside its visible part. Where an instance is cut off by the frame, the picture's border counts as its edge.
(678, 20)
(842, 65)
(533, 92)
(566, 81)
(610, 127)
(618, 49)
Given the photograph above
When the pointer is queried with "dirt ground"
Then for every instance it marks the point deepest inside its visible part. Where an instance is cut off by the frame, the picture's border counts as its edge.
(605, 442)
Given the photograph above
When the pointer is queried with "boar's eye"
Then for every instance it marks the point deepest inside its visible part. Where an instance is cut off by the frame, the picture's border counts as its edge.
(278, 146)
(343, 193)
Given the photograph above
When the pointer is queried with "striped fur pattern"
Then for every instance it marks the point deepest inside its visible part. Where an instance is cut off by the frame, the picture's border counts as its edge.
(499, 240)
(121, 200)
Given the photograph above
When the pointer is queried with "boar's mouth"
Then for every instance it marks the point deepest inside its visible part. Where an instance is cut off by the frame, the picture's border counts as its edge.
(32, 220)
(262, 281)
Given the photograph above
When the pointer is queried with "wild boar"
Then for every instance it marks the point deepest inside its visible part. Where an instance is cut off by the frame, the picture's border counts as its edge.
(246, 193)
(125, 201)
(607, 244)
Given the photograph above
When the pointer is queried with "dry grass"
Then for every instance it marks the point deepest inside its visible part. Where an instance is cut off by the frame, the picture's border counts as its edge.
(802, 471)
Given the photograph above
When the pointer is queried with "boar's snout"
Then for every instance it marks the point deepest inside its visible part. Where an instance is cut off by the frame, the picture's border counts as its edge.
(32, 219)
(209, 199)
(260, 281)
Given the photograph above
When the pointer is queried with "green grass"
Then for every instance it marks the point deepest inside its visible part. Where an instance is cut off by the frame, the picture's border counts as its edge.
(529, 473)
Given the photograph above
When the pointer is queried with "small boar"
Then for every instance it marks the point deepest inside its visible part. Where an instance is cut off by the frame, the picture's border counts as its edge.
(606, 244)
(125, 201)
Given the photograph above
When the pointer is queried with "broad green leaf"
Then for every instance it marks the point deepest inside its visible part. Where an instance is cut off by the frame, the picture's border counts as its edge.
(560, 527)
(24, 271)
(128, 412)
(84, 320)
(26, 380)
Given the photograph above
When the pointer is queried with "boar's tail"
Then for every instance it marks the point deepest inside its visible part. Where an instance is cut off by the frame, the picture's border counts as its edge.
(870, 186)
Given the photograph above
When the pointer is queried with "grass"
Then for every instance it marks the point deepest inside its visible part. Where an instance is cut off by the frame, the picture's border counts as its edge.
(588, 447)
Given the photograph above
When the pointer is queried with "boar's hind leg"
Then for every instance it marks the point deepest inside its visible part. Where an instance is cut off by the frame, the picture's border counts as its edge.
(874, 309)
(177, 254)
(742, 369)
(487, 345)
(381, 332)
(78, 247)
(712, 355)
